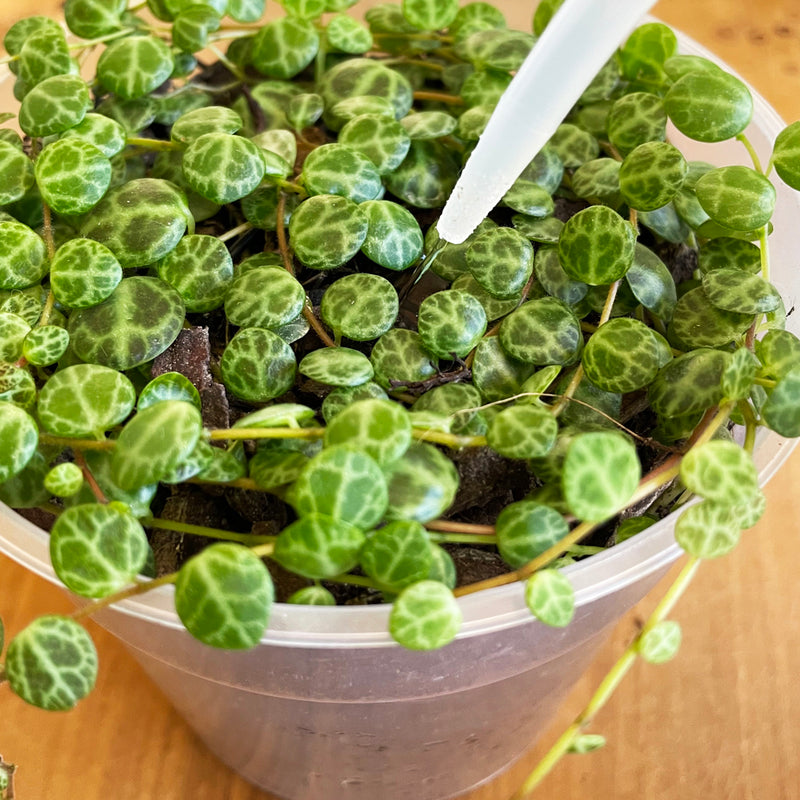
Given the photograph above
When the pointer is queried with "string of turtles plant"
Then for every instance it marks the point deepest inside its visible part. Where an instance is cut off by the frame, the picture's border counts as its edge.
(284, 197)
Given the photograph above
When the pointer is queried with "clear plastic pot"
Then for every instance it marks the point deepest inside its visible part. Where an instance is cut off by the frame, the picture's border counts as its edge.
(327, 707)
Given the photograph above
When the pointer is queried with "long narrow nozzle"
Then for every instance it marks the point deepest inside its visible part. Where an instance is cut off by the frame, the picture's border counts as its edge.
(580, 38)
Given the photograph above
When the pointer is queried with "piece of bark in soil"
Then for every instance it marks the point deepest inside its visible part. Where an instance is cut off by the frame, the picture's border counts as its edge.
(258, 507)
(485, 476)
(189, 354)
(215, 409)
(475, 564)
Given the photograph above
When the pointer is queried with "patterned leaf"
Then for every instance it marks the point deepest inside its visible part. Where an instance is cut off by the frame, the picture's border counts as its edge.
(425, 616)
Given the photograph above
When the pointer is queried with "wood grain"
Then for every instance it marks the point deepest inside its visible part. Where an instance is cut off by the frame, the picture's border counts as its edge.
(718, 722)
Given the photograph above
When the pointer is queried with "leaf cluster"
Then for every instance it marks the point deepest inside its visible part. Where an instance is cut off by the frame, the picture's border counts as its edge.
(286, 199)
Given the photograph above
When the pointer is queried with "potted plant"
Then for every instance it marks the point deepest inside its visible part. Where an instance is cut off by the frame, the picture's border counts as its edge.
(549, 408)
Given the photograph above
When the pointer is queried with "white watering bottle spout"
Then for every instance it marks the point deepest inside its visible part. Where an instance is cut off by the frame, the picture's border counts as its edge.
(581, 37)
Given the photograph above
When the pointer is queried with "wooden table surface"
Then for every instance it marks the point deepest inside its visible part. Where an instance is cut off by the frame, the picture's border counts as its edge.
(720, 721)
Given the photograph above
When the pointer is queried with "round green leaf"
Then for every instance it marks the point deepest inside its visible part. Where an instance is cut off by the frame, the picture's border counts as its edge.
(379, 428)
(527, 529)
(97, 549)
(284, 47)
(652, 283)
(343, 396)
(709, 106)
(422, 484)
(338, 169)
(222, 167)
(400, 357)
(83, 273)
(312, 596)
(394, 239)
(550, 597)
(348, 35)
(72, 175)
(651, 175)
(430, 14)
(786, 155)
(140, 221)
(645, 51)
(141, 318)
(342, 482)
(601, 473)
(13, 330)
(660, 644)
(781, 411)
(360, 306)
(154, 442)
(16, 173)
(425, 616)
(451, 323)
(19, 438)
(134, 66)
(107, 135)
(200, 269)
(23, 257)
(168, 386)
(636, 118)
(737, 197)
(699, 323)
(689, 384)
(596, 246)
(778, 352)
(522, 432)
(426, 176)
(264, 297)
(258, 365)
(501, 261)
(708, 529)
(224, 596)
(429, 124)
(554, 280)
(623, 355)
(91, 19)
(496, 374)
(85, 400)
(720, 471)
(51, 663)
(397, 555)
(738, 291)
(17, 386)
(542, 332)
(199, 121)
(64, 479)
(45, 345)
(336, 366)
(327, 231)
(318, 546)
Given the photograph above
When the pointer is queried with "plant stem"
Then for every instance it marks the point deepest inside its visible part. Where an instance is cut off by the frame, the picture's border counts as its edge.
(280, 230)
(451, 526)
(132, 591)
(751, 425)
(150, 144)
(763, 240)
(608, 684)
(234, 232)
(89, 478)
(741, 137)
(265, 433)
(263, 550)
(212, 533)
(78, 444)
(573, 537)
(441, 97)
(229, 65)
(448, 439)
